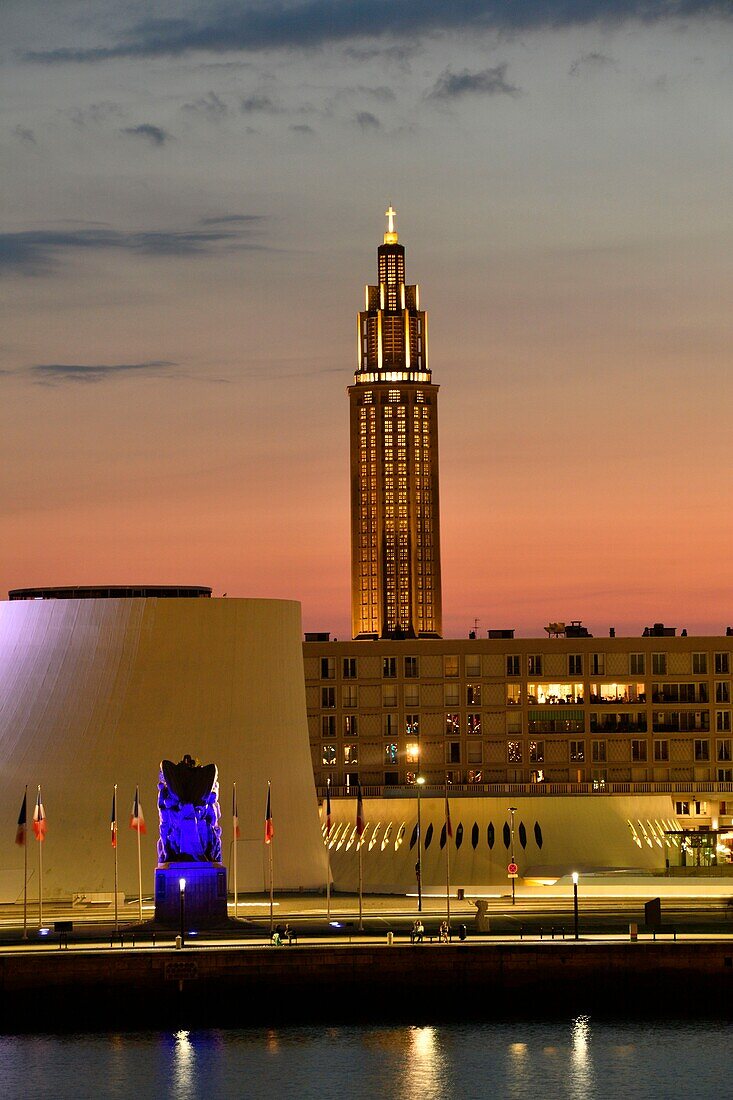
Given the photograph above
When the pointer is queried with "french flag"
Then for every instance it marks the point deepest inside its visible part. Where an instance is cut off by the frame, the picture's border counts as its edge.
(235, 814)
(328, 807)
(359, 811)
(137, 821)
(39, 818)
(269, 828)
(22, 821)
(113, 818)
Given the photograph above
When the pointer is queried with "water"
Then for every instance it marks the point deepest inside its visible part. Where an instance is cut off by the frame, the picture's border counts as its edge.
(576, 1059)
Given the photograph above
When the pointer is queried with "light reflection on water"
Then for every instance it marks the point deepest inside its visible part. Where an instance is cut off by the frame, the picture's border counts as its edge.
(578, 1059)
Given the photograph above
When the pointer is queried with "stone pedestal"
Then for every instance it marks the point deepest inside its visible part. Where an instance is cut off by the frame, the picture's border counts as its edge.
(204, 895)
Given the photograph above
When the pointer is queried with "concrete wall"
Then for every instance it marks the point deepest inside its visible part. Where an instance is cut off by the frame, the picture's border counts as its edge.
(584, 834)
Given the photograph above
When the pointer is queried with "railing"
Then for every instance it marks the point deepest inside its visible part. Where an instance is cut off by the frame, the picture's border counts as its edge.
(469, 790)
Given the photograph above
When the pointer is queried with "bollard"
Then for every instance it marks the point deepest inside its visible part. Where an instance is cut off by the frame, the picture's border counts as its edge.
(390, 939)
(633, 931)
(179, 943)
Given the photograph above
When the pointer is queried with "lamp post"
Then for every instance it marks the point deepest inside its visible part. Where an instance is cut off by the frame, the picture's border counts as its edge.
(575, 902)
(182, 896)
(512, 811)
(419, 782)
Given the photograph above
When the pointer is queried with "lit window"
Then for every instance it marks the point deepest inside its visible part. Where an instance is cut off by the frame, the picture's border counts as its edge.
(473, 724)
(328, 755)
(452, 725)
(351, 725)
(351, 754)
(473, 665)
(513, 695)
(450, 665)
(537, 752)
(473, 695)
(577, 751)
(412, 752)
(390, 753)
(514, 752)
(349, 695)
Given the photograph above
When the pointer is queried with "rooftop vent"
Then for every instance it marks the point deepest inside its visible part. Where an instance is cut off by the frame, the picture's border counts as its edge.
(659, 630)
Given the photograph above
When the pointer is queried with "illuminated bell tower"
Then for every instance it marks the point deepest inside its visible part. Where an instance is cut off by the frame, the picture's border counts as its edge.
(395, 532)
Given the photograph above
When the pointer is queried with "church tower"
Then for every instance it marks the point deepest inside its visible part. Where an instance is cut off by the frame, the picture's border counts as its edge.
(395, 531)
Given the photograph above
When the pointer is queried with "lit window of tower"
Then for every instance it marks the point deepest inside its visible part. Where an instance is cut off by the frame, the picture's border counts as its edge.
(395, 533)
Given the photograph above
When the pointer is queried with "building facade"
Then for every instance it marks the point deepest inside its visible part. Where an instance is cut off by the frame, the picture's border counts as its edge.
(395, 528)
(589, 712)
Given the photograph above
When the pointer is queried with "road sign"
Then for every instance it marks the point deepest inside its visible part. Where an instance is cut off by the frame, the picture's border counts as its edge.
(512, 870)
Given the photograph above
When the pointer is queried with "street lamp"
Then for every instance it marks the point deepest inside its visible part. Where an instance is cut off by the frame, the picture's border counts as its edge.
(512, 811)
(182, 895)
(419, 782)
(575, 901)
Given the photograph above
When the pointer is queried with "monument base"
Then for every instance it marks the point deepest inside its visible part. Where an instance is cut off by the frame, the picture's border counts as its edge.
(201, 903)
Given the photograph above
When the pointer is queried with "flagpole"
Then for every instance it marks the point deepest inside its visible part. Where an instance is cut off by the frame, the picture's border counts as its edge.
(448, 831)
(40, 861)
(25, 890)
(25, 866)
(361, 887)
(234, 839)
(114, 845)
(271, 888)
(328, 848)
(139, 862)
(360, 834)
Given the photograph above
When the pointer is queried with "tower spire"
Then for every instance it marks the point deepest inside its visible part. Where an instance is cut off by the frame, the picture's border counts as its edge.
(395, 535)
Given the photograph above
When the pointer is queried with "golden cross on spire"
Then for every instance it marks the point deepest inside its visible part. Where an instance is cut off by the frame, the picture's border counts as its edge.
(391, 217)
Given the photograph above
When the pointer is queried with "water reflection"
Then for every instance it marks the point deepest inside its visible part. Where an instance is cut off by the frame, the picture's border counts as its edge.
(424, 1073)
(183, 1069)
(581, 1064)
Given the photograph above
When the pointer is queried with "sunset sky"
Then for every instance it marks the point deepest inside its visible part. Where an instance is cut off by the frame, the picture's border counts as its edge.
(191, 204)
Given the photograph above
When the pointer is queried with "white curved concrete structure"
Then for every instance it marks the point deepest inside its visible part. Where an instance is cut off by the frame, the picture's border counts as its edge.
(95, 692)
(553, 836)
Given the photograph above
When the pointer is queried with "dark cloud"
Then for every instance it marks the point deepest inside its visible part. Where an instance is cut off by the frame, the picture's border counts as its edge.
(37, 251)
(593, 60)
(25, 135)
(365, 120)
(302, 128)
(232, 219)
(252, 104)
(95, 113)
(211, 106)
(151, 133)
(49, 374)
(249, 26)
(485, 82)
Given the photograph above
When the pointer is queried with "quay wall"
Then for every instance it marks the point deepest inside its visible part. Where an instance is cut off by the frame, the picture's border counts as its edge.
(266, 986)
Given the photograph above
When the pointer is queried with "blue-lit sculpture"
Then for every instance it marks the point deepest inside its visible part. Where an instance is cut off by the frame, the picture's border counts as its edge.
(188, 806)
(190, 879)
